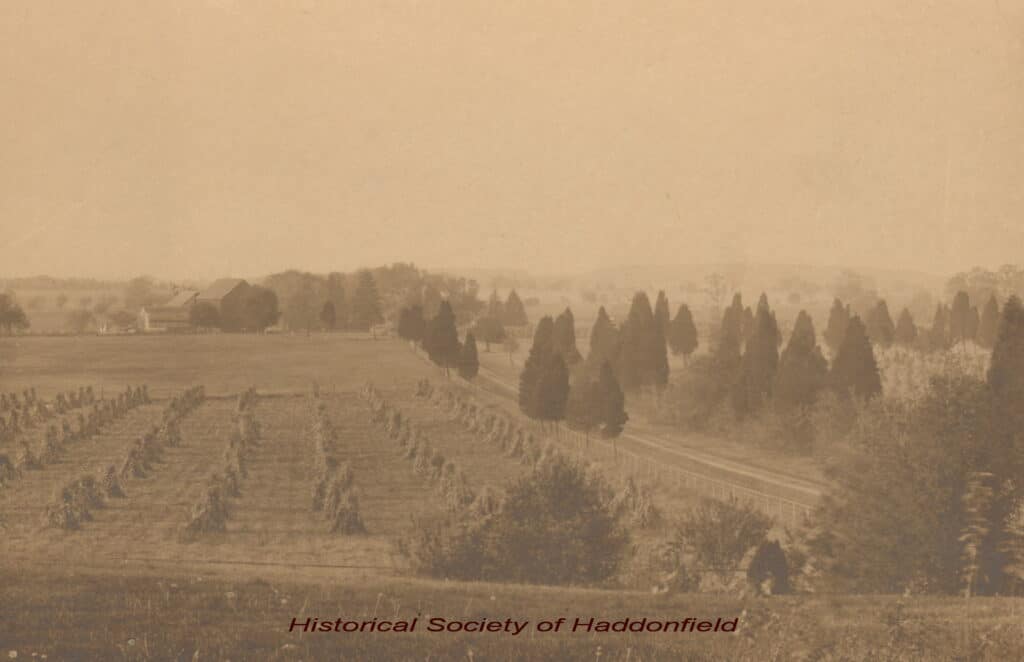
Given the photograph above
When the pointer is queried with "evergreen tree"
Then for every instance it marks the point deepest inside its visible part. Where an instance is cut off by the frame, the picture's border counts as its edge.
(534, 366)
(328, 316)
(552, 393)
(469, 362)
(854, 370)
(760, 361)
(988, 327)
(838, 319)
(583, 410)
(604, 338)
(366, 303)
(682, 337)
(444, 345)
(730, 334)
(1006, 366)
(514, 313)
(959, 318)
(881, 330)
(662, 316)
(906, 330)
(564, 338)
(938, 336)
(612, 402)
(638, 362)
(803, 371)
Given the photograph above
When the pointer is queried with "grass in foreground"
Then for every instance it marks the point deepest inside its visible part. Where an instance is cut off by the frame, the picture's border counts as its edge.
(194, 618)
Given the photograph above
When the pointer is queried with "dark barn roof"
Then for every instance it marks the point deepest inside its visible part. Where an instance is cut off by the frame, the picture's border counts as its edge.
(220, 289)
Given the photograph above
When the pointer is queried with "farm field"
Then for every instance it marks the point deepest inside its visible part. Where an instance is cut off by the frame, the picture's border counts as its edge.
(233, 593)
(223, 363)
(270, 523)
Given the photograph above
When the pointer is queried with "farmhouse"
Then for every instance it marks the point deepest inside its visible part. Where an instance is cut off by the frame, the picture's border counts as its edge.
(170, 316)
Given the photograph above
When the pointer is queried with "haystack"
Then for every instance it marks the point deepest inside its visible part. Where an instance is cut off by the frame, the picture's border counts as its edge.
(110, 485)
(345, 518)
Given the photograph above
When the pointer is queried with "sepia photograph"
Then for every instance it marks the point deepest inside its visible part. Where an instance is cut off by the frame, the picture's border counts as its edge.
(429, 330)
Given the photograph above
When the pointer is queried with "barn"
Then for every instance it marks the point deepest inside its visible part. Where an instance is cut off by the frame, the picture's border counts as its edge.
(224, 293)
(171, 316)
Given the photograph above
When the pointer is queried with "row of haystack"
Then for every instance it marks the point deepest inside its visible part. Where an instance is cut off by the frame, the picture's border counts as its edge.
(72, 504)
(334, 492)
(491, 425)
(12, 400)
(147, 450)
(427, 461)
(632, 501)
(20, 414)
(210, 513)
(56, 437)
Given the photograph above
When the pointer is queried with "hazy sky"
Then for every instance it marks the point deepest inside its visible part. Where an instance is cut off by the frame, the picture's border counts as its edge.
(192, 138)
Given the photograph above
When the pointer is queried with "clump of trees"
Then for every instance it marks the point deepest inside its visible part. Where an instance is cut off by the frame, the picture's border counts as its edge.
(12, 316)
(928, 494)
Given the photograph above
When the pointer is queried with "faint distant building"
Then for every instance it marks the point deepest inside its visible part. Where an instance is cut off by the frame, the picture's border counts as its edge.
(225, 293)
(171, 316)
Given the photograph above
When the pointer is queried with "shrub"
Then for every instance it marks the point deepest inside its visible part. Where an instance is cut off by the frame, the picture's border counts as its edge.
(553, 527)
(717, 534)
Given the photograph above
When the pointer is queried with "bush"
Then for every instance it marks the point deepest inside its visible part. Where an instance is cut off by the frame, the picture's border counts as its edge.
(554, 527)
(717, 534)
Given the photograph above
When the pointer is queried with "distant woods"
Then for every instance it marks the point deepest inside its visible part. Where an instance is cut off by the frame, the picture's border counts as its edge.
(364, 299)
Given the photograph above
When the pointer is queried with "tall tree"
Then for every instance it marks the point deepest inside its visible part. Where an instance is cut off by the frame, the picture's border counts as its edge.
(444, 338)
(939, 336)
(552, 392)
(328, 316)
(612, 402)
(760, 361)
(838, 320)
(1006, 366)
(564, 338)
(639, 339)
(682, 334)
(469, 362)
(662, 316)
(960, 318)
(12, 317)
(803, 371)
(514, 313)
(906, 330)
(366, 303)
(603, 340)
(583, 410)
(988, 327)
(854, 370)
(881, 330)
(535, 364)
